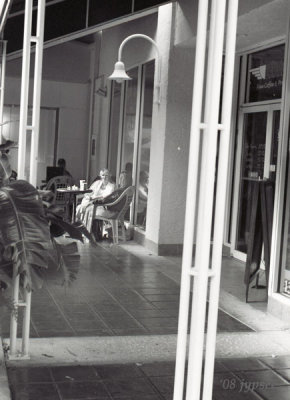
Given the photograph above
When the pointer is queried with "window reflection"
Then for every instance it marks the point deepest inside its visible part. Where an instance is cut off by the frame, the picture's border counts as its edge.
(265, 74)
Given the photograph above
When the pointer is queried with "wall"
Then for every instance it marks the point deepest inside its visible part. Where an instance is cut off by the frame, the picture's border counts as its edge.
(72, 101)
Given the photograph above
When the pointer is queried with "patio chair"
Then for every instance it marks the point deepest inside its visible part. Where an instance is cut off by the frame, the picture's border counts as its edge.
(58, 182)
(114, 212)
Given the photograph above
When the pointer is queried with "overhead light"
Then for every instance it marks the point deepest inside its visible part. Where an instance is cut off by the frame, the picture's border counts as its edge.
(120, 75)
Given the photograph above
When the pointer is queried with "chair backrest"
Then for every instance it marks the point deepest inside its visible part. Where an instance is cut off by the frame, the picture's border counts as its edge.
(58, 182)
(123, 202)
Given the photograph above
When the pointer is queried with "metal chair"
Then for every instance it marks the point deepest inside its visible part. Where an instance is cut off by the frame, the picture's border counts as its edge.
(114, 212)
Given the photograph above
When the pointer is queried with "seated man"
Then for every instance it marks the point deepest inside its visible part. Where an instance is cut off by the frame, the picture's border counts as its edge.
(61, 163)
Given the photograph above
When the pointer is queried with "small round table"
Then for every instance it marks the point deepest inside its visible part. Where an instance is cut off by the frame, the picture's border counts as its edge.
(71, 196)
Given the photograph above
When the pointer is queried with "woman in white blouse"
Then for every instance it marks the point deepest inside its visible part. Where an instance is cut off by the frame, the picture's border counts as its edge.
(101, 188)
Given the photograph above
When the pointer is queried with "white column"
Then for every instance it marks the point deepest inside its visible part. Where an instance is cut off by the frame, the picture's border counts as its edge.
(206, 192)
(220, 205)
(24, 90)
(2, 82)
(191, 199)
(37, 91)
(204, 270)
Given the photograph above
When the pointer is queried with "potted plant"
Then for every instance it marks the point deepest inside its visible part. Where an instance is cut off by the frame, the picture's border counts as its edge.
(29, 227)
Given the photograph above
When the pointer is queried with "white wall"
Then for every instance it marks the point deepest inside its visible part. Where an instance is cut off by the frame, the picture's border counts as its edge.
(72, 101)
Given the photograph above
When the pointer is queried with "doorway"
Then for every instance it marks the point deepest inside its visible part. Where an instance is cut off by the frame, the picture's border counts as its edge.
(258, 137)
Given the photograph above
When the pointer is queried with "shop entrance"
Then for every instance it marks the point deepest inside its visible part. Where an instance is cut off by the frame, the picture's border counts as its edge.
(258, 138)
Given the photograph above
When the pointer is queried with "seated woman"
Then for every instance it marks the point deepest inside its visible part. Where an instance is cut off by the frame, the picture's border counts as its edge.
(101, 188)
(102, 209)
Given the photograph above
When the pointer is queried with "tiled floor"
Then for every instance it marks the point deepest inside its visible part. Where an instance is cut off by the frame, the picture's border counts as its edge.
(118, 293)
(115, 293)
(248, 379)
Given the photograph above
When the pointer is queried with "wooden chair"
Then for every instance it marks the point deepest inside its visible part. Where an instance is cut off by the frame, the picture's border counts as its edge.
(115, 211)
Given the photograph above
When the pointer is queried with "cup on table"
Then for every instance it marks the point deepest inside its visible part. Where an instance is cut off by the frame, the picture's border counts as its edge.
(82, 184)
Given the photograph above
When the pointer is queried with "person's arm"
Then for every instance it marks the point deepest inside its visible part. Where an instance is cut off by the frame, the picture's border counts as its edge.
(142, 193)
(95, 187)
(105, 192)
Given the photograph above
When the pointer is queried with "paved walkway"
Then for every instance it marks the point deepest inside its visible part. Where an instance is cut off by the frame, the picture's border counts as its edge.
(265, 378)
(112, 335)
(116, 293)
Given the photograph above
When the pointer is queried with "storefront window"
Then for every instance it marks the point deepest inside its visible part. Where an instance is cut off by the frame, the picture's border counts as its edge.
(130, 135)
(265, 75)
(128, 143)
(255, 128)
(285, 257)
(114, 128)
(144, 145)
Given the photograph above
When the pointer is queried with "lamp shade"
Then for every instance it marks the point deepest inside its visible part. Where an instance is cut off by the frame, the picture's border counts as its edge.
(119, 73)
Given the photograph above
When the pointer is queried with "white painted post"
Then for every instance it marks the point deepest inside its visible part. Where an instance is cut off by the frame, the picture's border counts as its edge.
(37, 91)
(2, 83)
(203, 270)
(24, 90)
(26, 324)
(220, 208)
(205, 210)
(14, 316)
(191, 195)
(27, 40)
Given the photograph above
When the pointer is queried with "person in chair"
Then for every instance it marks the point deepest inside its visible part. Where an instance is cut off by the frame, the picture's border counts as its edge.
(101, 188)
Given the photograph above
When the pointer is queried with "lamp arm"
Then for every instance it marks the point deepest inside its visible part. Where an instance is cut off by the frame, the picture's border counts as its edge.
(158, 67)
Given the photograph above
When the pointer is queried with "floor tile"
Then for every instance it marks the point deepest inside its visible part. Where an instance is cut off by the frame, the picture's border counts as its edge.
(130, 387)
(164, 384)
(167, 322)
(261, 378)
(242, 364)
(158, 369)
(117, 372)
(142, 397)
(275, 393)
(74, 373)
(285, 372)
(35, 392)
(82, 390)
(229, 387)
(277, 362)
(18, 375)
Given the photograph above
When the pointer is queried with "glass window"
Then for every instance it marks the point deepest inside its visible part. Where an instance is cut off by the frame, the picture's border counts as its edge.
(265, 75)
(47, 139)
(128, 142)
(285, 256)
(114, 128)
(144, 145)
(252, 167)
(131, 128)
